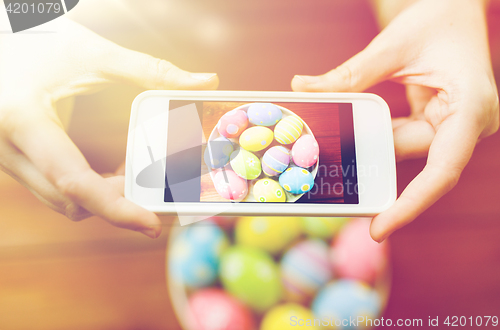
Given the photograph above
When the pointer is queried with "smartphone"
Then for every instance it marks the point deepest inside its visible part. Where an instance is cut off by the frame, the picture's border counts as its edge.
(206, 153)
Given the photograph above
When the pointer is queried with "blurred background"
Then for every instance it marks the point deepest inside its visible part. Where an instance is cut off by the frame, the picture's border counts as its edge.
(57, 274)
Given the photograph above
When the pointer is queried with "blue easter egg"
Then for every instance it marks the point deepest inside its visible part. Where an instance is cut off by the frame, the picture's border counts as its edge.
(217, 152)
(195, 253)
(296, 180)
(264, 114)
(305, 268)
(345, 300)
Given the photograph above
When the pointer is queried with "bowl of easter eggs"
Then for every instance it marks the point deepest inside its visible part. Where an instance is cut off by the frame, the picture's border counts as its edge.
(274, 273)
(262, 152)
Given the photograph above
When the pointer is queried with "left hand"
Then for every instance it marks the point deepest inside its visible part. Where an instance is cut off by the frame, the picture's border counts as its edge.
(37, 71)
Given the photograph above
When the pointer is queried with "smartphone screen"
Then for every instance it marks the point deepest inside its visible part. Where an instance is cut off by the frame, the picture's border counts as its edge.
(242, 171)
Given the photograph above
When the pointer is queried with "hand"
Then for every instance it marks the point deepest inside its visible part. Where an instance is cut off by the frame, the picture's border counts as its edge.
(439, 50)
(36, 71)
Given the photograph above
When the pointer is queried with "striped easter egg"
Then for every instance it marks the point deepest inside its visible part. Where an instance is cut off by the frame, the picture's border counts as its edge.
(305, 268)
(275, 160)
(288, 130)
(347, 299)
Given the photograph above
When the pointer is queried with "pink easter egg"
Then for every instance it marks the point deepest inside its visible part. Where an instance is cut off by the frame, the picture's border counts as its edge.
(214, 309)
(229, 185)
(232, 123)
(305, 151)
(223, 221)
(356, 255)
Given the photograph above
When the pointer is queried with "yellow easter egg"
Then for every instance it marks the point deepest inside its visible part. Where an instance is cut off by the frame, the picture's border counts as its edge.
(256, 138)
(289, 317)
(269, 191)
(271, 234)
(288, 130)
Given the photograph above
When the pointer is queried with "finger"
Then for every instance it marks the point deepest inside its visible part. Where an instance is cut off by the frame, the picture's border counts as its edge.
(412, 138)
(59, 160)
(418, 98)
(121, 169)
(449, 153)
(399, 121)
(367, 68)
(153, 73)
(413, 135)
(22, 170)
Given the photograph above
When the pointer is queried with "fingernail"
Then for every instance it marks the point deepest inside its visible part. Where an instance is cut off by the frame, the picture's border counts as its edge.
(203, 76)
(301, 78)
(382, 239)
(307, 79)
(150, 232)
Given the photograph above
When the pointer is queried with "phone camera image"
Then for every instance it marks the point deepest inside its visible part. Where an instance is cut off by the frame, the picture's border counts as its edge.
(261, 152)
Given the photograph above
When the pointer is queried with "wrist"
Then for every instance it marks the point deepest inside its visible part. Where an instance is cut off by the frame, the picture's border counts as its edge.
(387, 10)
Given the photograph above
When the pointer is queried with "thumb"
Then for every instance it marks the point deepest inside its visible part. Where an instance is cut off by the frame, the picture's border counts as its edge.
(367, 68)
(152, 73)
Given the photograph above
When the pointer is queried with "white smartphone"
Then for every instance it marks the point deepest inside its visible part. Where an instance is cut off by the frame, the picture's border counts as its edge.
(205, 153)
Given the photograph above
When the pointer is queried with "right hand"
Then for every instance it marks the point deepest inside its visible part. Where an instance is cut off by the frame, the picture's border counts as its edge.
(36, 71)
(439, 50)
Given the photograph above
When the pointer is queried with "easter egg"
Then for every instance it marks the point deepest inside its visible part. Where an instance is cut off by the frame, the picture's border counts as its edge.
(345, 300)
(289, 317)
(296, 180)
(195, 253)
(305, 268)
(251, 275)
(232, 123)
(288, 129)
(269, 191)
(323, 227)
(264, 114)
(223, 221)
(356, 255)
(245, 164)
(275, 160)
(305, 151)
(271, 234)
(214, 309)
(256, 138)
(229, 185)
(217, 152)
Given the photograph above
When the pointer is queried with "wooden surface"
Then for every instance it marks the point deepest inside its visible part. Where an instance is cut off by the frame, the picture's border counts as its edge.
(56, 274)
(322, 119)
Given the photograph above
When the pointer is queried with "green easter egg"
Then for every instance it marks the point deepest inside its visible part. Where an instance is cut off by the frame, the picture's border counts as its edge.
(252, 276)
(272, 234)
(245, 164)
(323, 227)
